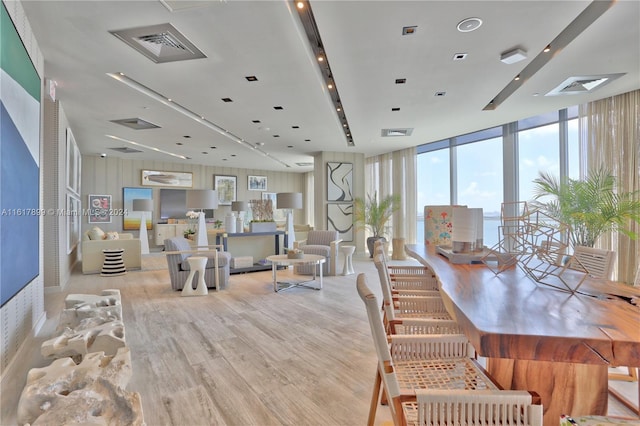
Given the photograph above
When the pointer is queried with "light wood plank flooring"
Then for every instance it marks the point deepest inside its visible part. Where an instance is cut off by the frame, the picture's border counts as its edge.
(241, 356)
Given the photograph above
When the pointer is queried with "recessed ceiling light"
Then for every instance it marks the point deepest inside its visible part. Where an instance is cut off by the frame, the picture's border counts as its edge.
(213, 147)
(276, 136)
(204, 152)
(469, 24)
(307, 140)
(278, 108)
(178, 143)
(233, 155)
(289, 146)
(330, 86)
(440, 93)
(300, 5)
(255, 121)
(186, 136)
(338, 109)
(227, 100)
(459, 56)
(295, 127)
(401, 80)
(547, 49)
(409, 30)
(517, 77)
(252, 78)
(395, 109)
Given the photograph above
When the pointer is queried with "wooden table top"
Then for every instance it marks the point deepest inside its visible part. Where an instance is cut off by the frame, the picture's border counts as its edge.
(511, 316)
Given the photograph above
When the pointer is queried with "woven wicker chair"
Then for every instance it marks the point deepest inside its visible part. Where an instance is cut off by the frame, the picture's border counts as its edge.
(415, 304)
(407, 277)
(465, 407)
(410, 362)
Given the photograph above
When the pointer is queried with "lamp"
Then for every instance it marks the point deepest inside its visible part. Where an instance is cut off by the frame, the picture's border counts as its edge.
(143, 205)
(289, 201)
(240, 207)
(202, 199)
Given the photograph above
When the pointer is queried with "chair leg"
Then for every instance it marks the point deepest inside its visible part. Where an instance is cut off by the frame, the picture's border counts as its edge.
(374, 399)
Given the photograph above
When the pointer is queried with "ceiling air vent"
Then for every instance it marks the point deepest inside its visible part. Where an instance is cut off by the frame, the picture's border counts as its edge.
(135, 123)
(583, 84)
(126, 150)
(396, 132)
(160, 43)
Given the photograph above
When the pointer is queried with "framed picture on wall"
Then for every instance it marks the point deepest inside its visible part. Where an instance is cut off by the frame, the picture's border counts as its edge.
(131, 219)
(226, 188)
(339, 181)
(170, 179)
(340, 218)
(99, 209)
(257, 183)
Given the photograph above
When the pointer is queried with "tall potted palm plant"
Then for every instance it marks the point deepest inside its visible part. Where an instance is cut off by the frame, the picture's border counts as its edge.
(373, 214)
(590, 207)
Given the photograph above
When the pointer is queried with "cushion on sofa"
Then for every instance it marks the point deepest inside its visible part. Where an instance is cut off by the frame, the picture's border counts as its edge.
(112, 235)
(96, 233)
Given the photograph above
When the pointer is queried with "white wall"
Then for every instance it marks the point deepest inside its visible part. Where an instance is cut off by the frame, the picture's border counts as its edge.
(24, 313)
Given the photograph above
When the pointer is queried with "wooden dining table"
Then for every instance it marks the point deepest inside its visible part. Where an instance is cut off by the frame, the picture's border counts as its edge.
(538, 338)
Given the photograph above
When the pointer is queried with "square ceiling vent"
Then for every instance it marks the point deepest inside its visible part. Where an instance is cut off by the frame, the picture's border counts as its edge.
(583, 84)
(160, 43)
(396, 132)
(136, 123)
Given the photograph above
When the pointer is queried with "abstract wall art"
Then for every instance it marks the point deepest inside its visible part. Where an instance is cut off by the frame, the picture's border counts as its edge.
(339, 181)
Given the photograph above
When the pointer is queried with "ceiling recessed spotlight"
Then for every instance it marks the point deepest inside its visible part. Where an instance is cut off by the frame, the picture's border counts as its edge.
(459, 56)
(469, 24)
(547, 49)
(395, 109)
(307, 140)
(401, 80)
(320, 58)
(517, 77)
(300, 5)
(409, 30)
(260, 143)
(289, 146)
(204, 152)
(252, 78)
(344, 125)
(186, 136)
(278, 108)
(213, 147)
(338, 109)
(227, 100)
(233, 155)
(295, 127)
(276, 136)
(440, 94)
(330, 86)
(255, 121)
(168, 99)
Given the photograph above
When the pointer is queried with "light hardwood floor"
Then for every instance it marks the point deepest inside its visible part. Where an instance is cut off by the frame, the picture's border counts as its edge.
(241, 356)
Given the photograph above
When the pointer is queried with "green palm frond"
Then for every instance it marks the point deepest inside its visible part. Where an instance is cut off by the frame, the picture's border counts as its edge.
(590, 207)
(374, 214)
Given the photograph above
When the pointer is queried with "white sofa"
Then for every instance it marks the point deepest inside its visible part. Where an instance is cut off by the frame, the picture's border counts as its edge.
(92, 256)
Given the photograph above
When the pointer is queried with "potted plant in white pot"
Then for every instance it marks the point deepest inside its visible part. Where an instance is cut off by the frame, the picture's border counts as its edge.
(373, 214)
(590, 207)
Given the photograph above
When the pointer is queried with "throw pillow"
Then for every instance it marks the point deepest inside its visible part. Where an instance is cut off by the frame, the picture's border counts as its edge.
(113, 235)
(96, 233)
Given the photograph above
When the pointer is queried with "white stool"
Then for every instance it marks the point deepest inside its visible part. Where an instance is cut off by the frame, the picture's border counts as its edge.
(348, 263)
(196, 264)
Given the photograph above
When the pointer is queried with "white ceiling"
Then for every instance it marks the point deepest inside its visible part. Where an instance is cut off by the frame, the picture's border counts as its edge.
(366, 50)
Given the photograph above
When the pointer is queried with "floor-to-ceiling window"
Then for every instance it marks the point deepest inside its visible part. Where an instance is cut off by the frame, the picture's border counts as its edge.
(475, 169)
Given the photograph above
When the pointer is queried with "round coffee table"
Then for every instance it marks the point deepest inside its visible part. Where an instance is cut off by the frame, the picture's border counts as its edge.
(283, 260)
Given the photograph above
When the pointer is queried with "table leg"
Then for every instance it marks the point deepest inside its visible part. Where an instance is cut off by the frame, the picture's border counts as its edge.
(274, 268)
(320, 267)
(565, 388)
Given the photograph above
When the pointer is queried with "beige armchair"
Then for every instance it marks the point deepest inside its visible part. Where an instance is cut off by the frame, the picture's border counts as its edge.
(92, 256)
(323, 243)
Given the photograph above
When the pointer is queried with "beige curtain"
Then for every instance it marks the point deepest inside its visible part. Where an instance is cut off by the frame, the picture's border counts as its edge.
(396, 173)
(610, 136)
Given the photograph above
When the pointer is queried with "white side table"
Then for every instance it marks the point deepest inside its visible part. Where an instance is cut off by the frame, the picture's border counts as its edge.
(348, 259)
(196, 264)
